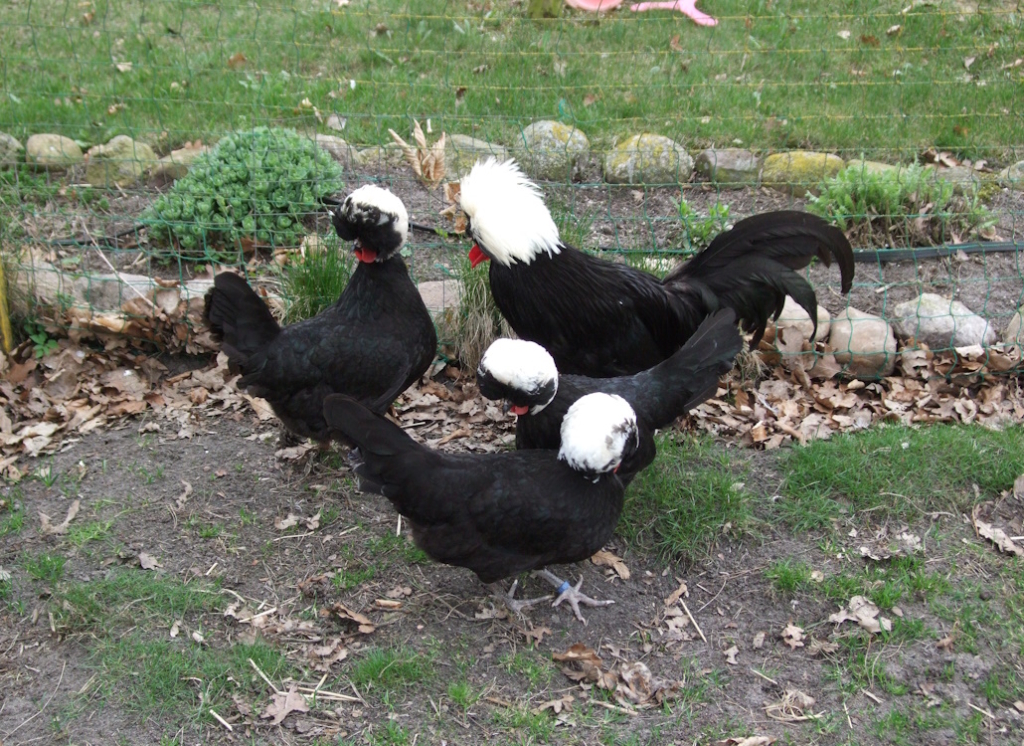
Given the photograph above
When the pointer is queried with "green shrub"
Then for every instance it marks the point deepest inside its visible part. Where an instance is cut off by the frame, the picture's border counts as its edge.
(698, 230)
(256, 185)
(909, 206)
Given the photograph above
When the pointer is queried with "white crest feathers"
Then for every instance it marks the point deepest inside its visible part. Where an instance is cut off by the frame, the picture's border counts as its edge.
(507, 215)
(595, 432)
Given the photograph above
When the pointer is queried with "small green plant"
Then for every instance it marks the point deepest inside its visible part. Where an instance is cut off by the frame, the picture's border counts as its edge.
(48, 568)
(787, 575)
(907, 206)
(253, 186)
(699, 230)
(313, 280)
(42, 343)
(469, 329)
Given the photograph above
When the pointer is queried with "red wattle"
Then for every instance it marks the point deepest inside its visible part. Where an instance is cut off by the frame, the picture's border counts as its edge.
(518, 411)
(369, 256)
(476, 256)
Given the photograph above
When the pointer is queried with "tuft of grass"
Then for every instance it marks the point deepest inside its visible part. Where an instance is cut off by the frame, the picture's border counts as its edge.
(315, 279)
(392, 734)
(48, 568)
(529, 664)
(80, 535)
(895, 471)
(906, 207)
(386, 670)
(679, 505)
(788, 576)
(470, 328)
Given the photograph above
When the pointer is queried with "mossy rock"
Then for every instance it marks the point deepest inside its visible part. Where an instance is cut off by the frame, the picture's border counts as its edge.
(53, 152)
(648, 159)
(120, 162)
(550, 150)
(799, 172)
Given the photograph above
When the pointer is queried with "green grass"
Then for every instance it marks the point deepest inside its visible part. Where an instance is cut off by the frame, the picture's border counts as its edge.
(773, 75)
(102, 605)
(81, 534)
(386, 670)
(313, 281)
(679, 505)
(45, 567)
(897, 472)
(155, 677)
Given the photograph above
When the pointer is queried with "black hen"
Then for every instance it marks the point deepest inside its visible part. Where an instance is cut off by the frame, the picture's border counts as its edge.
(372, 344)
(505, 513)
(524, 374)
(600, 318)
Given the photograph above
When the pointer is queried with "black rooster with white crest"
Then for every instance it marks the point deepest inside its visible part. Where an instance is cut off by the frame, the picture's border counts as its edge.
(374, 342)
(524, 375)
(504, 513)
(600, 318)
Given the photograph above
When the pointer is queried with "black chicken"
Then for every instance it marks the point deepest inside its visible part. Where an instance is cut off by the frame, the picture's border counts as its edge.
(525, 375)
(600, 318)
(372, 344)
(505, 513)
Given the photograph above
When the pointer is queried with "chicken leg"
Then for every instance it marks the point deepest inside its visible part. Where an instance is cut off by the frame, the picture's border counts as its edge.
(516, 607)
(570, 593)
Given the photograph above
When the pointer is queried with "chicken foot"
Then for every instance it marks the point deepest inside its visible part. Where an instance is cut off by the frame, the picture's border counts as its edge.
(570, 593)
(516, 607)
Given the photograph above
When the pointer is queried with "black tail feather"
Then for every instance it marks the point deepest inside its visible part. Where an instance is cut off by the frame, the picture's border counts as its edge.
(239, 318)
(690, 376)
(752, 267)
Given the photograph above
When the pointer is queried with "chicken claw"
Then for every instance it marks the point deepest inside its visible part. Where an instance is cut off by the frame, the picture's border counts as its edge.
(516, 607)
(571, 594)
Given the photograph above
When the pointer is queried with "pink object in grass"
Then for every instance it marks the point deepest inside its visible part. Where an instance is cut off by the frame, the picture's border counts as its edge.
(686, 7)
(594, 5)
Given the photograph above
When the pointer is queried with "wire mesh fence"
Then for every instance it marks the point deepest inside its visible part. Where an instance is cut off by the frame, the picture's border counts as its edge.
(648, 132)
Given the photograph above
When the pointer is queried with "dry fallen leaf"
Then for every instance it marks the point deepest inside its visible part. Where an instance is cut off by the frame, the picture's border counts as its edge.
(283, 704)
(555, 705)
(285, 523)
(47, 527)
(148, 561)
(996, 535)
(678, 593)
(750, 741)
(758, 642)
(821, 647)
(345, 614)
(795, 706)
(730, 655)
(865, 613)
(608, 559)
(793, 636)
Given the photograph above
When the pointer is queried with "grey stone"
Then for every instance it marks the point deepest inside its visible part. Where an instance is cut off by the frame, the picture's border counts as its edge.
(798, 172)
(941, 323)
(728, 167)
(647, 159)
(461, 153)
(1012, 176)
(863, 343)
(550, 150)
(53, 152)
(10, 150)
(340, 150)
(793, 315)
(176, 164)
(439, 295)
(120, 162)
(858, 165)
(964, 180)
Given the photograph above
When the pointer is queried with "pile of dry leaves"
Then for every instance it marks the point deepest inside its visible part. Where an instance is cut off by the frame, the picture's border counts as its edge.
(80, 387)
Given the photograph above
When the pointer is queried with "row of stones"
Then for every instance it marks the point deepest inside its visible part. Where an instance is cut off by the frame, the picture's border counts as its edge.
(866, 344)
(547, 150)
